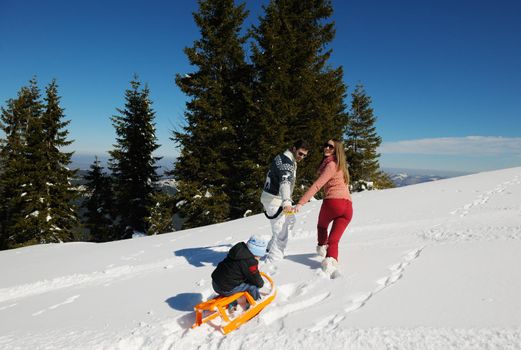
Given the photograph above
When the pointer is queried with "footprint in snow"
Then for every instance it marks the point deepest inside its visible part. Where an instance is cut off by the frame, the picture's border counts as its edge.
(387, 281)
(283, 310)
(328, 323)
(303, 288)
(398, 267)
(357, 301)
(413, 254)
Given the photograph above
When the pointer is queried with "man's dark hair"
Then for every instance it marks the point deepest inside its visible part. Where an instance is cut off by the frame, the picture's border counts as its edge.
(301, 144)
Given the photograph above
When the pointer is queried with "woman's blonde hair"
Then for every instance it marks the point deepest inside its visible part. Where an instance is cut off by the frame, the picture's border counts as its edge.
(340, 155)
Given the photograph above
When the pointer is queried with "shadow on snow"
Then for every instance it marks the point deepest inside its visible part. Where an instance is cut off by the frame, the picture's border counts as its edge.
(184, 301)
(202, 256)
(305, 259)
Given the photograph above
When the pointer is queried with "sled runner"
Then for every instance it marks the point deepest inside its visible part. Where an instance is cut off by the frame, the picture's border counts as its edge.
(217, 307)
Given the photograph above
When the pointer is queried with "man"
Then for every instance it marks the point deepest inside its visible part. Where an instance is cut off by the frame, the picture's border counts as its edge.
(276, 197)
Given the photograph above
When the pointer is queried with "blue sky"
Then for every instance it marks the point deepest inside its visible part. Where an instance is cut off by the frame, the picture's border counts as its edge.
(445, 76)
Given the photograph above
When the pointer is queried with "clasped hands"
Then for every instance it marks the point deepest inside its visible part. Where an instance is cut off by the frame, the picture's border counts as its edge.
(289, 209)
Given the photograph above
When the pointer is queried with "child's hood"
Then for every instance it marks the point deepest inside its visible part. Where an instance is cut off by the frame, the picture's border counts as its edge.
(240, 251)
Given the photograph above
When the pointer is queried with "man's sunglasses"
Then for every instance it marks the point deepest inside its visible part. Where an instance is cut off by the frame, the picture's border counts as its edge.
(329, 146)
(302, 154)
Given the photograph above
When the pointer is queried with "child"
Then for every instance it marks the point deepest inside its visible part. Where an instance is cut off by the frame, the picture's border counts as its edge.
(239, 271)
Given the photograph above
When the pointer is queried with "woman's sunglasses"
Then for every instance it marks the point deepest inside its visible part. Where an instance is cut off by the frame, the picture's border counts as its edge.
(329, 146)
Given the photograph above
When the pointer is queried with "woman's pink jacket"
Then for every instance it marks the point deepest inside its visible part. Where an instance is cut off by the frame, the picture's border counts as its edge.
(333, 182)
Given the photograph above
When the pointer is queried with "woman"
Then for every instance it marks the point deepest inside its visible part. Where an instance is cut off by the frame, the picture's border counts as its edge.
(337, 206)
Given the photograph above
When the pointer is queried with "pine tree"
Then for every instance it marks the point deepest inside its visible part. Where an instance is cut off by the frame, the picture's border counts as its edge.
(132, 163)
(39, 197)
(15, 119)
(99, 204)
(362, 143)
(161, 214)
(300, 96)
(62, 213)
(213, 170)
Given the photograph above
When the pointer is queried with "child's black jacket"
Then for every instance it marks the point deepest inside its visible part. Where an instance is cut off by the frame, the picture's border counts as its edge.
(239, 266)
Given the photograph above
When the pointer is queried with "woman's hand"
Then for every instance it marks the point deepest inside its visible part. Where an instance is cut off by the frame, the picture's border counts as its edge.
(297, 207)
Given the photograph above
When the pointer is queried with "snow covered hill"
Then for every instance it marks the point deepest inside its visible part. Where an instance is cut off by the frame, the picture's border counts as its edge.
(428, 266)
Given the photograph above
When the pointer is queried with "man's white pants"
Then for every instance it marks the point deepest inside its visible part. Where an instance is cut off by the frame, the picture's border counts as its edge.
(281, 227)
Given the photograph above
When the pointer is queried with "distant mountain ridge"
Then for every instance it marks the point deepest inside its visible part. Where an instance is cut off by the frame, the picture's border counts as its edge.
(400, 176)
(406, 177)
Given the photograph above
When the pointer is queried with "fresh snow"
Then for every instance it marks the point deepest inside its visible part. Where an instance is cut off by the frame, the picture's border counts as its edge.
(429, 266)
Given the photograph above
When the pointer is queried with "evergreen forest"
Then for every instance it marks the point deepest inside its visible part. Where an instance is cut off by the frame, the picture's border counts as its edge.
(252, 92)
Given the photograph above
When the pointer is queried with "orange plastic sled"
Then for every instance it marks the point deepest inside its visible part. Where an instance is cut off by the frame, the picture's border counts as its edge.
(217, 307)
